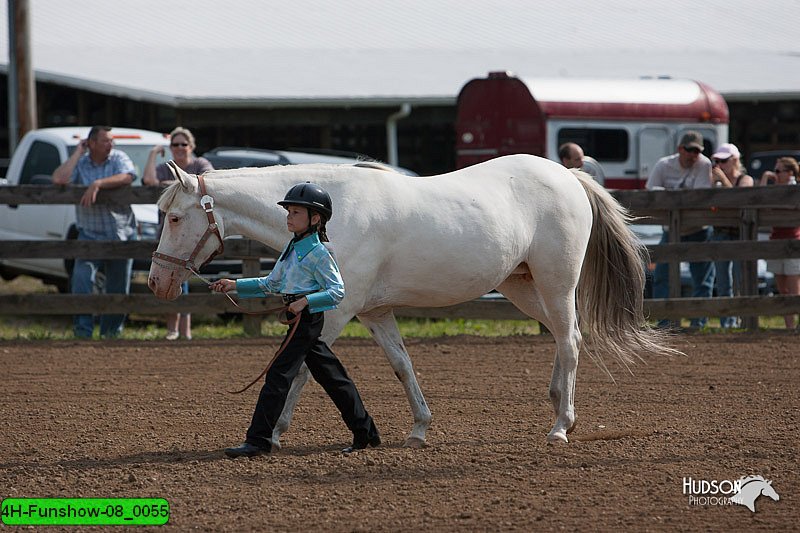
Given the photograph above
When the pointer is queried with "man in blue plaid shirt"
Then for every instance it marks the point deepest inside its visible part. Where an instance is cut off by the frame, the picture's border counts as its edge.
(96, 165)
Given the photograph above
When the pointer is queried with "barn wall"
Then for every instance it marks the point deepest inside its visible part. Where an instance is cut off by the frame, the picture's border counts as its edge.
(426, 141)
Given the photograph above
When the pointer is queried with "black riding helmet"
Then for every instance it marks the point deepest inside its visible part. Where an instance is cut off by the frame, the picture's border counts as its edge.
(309, 195)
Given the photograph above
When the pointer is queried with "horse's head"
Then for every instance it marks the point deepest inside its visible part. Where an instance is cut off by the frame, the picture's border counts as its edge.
(191, 236)
(770, 492)
(751, 487)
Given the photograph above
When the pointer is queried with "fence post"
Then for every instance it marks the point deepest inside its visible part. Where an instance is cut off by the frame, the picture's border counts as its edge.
(674, 266)
(748, 231)
(251, 268)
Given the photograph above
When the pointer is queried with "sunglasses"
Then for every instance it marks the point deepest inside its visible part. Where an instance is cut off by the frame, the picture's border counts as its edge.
(183, 145)
(779, 170)
(721, 161)
(692, 149)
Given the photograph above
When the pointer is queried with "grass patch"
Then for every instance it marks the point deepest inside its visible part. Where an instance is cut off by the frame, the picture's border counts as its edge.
(147, 328)
(43, 327)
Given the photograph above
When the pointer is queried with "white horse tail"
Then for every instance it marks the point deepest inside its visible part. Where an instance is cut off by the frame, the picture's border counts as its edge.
(611, 288)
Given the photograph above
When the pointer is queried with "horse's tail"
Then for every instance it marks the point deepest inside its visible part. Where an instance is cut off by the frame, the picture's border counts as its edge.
(611, 288)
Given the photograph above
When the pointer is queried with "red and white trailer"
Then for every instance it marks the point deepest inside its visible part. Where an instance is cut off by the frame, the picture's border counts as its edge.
(625, 124)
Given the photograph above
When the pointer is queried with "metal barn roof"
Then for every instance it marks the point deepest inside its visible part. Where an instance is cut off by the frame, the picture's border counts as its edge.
(360, 52)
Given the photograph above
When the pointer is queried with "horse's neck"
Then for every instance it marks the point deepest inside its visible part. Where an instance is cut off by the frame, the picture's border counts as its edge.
(754, 486)
(751, 489)
(250, 211)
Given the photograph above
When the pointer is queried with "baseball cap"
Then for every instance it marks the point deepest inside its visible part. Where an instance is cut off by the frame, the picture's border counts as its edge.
(692, 139)
(725, 151)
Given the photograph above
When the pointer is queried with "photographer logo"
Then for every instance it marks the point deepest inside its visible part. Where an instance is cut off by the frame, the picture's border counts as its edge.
(744, 491)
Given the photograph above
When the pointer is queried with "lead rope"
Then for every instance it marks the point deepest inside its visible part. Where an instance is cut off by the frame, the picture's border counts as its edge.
(294, 322)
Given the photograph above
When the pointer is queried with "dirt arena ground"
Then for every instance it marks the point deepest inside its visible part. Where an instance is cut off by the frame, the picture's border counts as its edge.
(149, 419)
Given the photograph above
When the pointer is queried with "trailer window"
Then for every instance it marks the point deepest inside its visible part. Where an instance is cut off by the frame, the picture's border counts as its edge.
(602, 144)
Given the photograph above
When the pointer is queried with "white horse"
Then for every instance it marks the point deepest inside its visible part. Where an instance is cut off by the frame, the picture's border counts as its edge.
(549, 239)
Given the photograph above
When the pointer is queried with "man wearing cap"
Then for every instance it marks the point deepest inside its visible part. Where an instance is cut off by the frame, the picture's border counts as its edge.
(686, 169)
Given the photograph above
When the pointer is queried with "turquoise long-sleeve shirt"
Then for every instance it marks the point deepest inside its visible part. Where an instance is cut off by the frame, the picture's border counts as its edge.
(308, 268)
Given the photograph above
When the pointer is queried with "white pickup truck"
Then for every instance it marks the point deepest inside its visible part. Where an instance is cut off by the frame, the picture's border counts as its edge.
(33, 162)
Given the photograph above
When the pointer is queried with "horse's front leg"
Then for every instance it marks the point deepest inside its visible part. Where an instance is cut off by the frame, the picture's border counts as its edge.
(383, 327)
(555, 385)
(335, 321)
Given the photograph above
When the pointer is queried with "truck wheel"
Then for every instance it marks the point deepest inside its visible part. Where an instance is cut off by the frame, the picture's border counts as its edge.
(69, 264)
(6, 274)
(63, 286)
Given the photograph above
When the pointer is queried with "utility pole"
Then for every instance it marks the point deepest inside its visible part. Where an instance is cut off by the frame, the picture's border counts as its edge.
(21, 83)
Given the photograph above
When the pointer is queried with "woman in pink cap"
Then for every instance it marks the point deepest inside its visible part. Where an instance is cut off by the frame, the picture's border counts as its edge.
(728, 172)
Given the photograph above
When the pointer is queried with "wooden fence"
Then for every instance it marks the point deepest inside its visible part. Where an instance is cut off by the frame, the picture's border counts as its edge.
(747, 208)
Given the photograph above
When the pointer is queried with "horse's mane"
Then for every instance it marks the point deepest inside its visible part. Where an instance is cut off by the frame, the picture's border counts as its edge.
(376, 165)
(748, 479)
(168, 195)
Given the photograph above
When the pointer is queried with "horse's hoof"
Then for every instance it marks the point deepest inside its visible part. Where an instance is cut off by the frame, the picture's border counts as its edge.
(557, 437)
(414, 442)
(572, 427)
(276, 447)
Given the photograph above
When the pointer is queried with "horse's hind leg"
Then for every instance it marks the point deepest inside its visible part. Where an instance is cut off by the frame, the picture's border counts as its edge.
(521, 291)
(334, 323)
(282, 425)
(383, 327)
(557, 312)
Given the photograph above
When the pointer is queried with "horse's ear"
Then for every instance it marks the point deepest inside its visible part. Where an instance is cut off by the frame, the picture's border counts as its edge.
(178, 173)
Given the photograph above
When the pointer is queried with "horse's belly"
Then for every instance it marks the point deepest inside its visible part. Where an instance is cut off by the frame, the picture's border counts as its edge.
(416, 298)
(439, 288)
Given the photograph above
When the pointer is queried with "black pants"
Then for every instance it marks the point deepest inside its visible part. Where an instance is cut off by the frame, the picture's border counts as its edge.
(327, 371)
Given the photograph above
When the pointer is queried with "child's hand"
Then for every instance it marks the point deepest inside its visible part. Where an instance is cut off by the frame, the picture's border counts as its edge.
(297, 306)
(222, 285)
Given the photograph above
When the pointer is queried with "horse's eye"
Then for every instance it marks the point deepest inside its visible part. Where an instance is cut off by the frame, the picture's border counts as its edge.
(173, 219)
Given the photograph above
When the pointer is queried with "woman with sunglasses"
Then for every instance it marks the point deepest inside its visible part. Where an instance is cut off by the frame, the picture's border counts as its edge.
(728, 172)
(182, 145)
(787, 271)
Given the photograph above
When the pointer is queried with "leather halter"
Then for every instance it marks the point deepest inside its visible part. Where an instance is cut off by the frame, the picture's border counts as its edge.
(207, 203)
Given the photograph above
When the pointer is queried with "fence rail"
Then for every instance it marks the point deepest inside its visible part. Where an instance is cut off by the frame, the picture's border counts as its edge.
(749, 209)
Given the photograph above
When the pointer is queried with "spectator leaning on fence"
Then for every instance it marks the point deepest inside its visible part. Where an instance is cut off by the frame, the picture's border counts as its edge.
(686, 169)
(728, 172)
(787, 271)
(96, 165)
